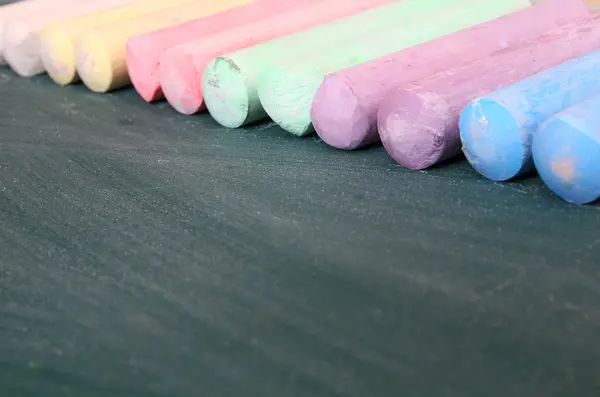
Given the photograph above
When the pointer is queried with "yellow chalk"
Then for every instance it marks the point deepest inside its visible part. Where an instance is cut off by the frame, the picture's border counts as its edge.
(58, 40)
(100, 52)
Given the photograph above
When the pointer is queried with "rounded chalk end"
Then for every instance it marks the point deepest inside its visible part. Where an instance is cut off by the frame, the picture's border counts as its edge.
(143, 75)
(57, 51)
(94, 64)
(492, 140)
(22, 49)
(225, 93)
(181, 81)
(568, 160)
(338, 117)
(414, 129)
(287, 97)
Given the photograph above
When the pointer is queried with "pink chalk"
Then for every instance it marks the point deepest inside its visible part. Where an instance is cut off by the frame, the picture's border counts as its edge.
(145, 51)
(418, 123)
(344, 110)
(181, 66)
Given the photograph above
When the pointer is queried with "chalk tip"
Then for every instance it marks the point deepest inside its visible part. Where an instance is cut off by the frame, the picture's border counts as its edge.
(17, 61)
(21, 50)
(413, 128)
(143, 75)
(225, 93)
(94, 65)
(492, 140)
(57, 51)
(286, 96)
(338, 117)
(568, 160)
(23, 61)
(180, 81)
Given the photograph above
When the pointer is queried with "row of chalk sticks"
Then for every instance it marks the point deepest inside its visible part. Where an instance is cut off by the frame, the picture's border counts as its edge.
(514, 85)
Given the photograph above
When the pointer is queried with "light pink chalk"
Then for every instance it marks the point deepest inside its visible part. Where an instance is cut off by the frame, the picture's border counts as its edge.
(181, 66)
(145, 51)
(344, 110)
(20, 9)
(418, 123)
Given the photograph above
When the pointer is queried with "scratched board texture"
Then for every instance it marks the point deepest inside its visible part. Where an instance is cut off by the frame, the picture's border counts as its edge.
(145, 254)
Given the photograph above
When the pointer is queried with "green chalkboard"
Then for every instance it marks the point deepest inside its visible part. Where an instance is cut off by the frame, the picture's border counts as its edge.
(145, 253)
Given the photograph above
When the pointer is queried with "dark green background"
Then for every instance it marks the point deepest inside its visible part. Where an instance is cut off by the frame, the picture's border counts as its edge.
(144, 253)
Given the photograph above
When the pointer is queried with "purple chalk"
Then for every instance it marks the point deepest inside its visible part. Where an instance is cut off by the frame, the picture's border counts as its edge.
(418, 124)
(344, 110)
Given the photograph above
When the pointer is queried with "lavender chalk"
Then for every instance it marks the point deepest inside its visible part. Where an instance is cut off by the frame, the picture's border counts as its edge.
(344, 109)
(566, 152)
(418, 124)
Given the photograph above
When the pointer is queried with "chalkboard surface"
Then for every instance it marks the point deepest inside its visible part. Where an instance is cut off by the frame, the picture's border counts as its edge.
(144, 253)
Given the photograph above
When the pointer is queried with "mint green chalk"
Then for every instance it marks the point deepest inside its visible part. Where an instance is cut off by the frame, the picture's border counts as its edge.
(286, 90)
(230, 82)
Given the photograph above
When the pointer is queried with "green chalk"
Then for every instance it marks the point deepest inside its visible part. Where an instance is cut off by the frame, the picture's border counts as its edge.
(230, 81)
(286, 90)
(295, 86)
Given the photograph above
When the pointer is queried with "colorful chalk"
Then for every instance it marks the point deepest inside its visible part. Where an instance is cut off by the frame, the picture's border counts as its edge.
(21, 35)
(496, 129)
(58, 40)
(16, 10)
(101, 52)
(230, 81)
(145, 51)
(344, 109)
(566, 152)
(286, 90)
(418, 124)
(181, 67)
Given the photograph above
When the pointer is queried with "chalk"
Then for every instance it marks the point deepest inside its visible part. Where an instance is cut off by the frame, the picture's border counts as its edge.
(230, 81)
(17, 9)
(21, 35)
(566, 152)
(181, 67)
(100, 52)
(344, 109)
(145, 51)
(496, 129)
(418, 123)
(286, 90)
(58, 40)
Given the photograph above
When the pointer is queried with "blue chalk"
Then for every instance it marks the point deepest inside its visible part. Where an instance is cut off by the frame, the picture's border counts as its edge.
(496, 129)
(566, 152)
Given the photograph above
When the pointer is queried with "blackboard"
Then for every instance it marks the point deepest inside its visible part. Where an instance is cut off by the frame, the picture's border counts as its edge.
(145, 253)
